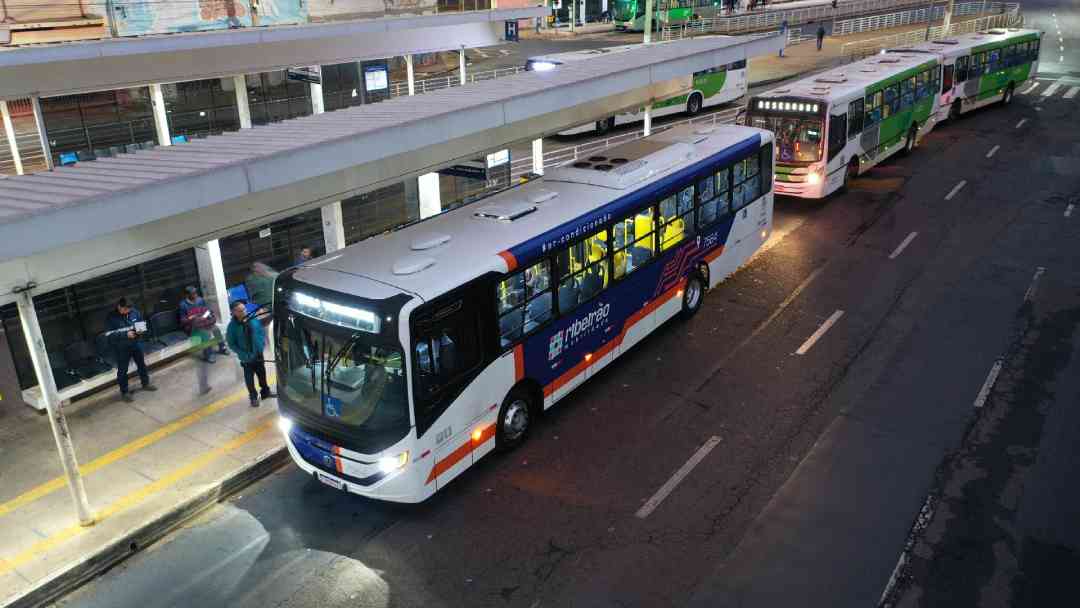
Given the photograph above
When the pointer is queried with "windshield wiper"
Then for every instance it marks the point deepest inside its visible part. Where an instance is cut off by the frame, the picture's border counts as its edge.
(328, 368)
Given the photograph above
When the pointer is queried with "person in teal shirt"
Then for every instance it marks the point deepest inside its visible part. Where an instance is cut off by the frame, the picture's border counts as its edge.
(247, 338)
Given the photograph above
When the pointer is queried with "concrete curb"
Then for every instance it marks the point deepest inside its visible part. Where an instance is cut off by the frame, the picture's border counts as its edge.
(134, 540)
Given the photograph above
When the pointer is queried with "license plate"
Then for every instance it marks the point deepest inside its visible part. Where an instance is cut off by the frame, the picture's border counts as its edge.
(330, 481)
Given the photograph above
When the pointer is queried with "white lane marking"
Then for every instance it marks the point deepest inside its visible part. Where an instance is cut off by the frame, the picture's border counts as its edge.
(1072, 92)
(988, 385)
(504, 51)
(1069, 210)
(926, 514)
(993, 151)
(1030, 293)
(956, 188)
(903, 245)
(1021, 123)
(1050, 90)
(1033, 86)
(651, 504)
(806, 346)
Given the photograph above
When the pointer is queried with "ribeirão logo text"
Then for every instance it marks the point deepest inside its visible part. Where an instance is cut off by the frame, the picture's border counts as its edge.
(581, 327)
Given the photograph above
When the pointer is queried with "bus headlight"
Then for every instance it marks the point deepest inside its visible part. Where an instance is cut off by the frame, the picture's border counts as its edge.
(389, 464)
(285, 424)
(542, 66)
(813, 178)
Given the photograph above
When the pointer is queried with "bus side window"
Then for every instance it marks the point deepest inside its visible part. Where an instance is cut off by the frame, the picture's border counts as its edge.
(447, 346)
(907, 93)
(837, 134)
(583, 271)
(961, 69)
(855, 118)
(633, 242)
(530, 306)
(765, 154)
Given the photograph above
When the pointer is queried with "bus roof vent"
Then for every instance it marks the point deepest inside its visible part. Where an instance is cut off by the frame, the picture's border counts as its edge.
(867, 68)
(832, 78)
(413, 264)
(542, 196)
(889, 60)
(705, 130)
(505, 212)
(997, 31)
(430, 241)
(947, 41)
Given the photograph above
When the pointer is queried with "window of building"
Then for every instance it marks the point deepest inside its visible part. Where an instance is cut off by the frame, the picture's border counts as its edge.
(341, 86)
(99, 124)
(201, 107)
(375, 212)
(276, 245)
(633, 242)
(272, 97)
(582, 269)
(524, 302)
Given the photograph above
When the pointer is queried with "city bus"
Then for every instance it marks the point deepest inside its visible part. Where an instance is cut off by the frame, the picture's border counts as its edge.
(707, 88)
(981, 68)
(405, 358)
(629, 15)
(833, 126)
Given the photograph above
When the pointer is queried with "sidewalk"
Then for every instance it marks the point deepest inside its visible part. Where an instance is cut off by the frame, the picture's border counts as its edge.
(148, 466)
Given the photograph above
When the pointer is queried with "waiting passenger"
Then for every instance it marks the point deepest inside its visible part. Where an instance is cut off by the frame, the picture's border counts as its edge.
(197, 318)
(247, 339)
(126, 329)
(305, 254)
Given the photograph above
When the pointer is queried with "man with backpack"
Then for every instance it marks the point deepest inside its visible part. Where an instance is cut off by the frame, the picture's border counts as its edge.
(247, 338)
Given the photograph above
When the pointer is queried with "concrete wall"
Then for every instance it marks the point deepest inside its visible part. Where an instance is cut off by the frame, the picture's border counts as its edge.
(329, 10)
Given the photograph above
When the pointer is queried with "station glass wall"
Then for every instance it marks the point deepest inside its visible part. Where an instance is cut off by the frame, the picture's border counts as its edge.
(272, 97)
(105, 123)
(201, 107)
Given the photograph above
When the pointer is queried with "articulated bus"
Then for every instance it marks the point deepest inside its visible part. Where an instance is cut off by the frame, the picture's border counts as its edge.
(982, 68)
(831, 127)
(405, 358)
(707, 88)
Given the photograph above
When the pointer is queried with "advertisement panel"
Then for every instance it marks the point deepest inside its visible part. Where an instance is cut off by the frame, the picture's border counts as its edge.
(141, 17)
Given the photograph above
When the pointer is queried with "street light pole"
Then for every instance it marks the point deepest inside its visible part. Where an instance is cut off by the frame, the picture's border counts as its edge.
(948, 18)
(648, 21)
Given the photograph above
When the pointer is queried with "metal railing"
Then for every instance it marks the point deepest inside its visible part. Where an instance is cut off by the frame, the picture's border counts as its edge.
(522, 166)
(872, 23)
(772, 19)
(1010, 18)
(428, 85)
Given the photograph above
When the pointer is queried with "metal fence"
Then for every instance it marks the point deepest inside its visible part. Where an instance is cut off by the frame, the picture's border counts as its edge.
(519, 167)
(772, 19)
(428, 85)
(1010, 18)
(872, 23)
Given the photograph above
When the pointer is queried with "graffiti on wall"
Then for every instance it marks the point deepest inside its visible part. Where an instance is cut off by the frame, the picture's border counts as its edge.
(141, 17)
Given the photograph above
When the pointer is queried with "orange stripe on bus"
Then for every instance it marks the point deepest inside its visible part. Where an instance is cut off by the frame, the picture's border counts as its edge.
(715, 253)
(511, 261)
(461, 452)
(519, 363)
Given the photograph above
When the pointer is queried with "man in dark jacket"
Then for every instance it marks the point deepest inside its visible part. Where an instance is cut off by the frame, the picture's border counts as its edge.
(126, 326)
(247, 338)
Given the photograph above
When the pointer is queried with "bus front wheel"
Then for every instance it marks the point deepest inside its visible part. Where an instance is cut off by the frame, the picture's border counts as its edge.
(851, 173)
(693, 294)
(515, 419)
(693, 105)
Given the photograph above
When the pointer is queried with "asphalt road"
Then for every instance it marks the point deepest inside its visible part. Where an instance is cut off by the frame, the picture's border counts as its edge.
(821, 462)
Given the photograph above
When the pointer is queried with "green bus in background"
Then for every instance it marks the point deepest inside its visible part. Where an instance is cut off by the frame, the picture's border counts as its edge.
(707, 88)
(629, 15)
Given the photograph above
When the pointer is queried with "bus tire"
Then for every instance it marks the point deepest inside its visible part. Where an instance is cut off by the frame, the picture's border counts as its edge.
(515, 419)
(955, 110)
(693, 105)
(1006, 98)
(603, 127)
(851, 173)
(912, 139)
(693, 295)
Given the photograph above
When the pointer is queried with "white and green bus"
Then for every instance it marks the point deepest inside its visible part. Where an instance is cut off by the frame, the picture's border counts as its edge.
(981, 68)
(710, 87)
(833, 126)
(629, 15)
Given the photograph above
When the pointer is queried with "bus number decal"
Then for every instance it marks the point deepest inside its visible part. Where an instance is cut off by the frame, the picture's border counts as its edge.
(443, 435)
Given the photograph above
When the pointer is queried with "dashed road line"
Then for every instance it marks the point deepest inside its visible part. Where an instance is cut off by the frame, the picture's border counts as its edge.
(988, 385)
(1033, 86)
(993, 151)
(903, 245)
(1072, 92)
(926, 514)
(957, 188)
(1050, 90)
(1069, 210)
(1030, 293)
(666, 489)
(1021, 123)
(806, 346)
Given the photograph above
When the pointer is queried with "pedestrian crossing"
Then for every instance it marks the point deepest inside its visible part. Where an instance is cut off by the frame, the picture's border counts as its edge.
(1063, 89)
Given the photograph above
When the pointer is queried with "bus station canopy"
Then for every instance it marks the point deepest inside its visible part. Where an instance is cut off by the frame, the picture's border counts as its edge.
(114, 63)
(82, 221)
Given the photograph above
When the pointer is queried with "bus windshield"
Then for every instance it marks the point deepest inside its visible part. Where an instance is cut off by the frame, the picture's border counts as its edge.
(624, 10)
(798, 139)
(342, 376)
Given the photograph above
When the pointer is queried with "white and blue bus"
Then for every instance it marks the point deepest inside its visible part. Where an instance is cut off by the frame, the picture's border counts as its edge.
(405, 358)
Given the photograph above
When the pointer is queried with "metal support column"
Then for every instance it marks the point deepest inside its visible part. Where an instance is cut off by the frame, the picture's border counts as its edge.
(212, 279)
(461, 64)
(318, 104)
(333, 227)
(9, 131)
(40, 359)
(648, 20)
(243, 109)
(948, 18)
(430, 195)
(43, 137)
(647, 131)
(161, 118)
(538, 156)
(410, 76)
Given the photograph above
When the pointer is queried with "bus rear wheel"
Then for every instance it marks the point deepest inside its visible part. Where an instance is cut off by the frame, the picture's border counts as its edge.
(693, 105)
(515, 419)
(693, 295)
